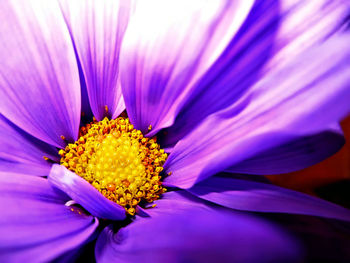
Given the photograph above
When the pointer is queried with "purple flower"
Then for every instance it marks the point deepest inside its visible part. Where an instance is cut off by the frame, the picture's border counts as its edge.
(242, 87)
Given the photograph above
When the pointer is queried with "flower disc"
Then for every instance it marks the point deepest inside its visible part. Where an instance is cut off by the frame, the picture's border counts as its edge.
(118, 161)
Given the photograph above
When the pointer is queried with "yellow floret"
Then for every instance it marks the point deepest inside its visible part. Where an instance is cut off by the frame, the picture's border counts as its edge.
(118, 161)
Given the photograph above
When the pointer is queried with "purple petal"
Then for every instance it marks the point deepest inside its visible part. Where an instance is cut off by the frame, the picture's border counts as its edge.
(197, 236)
(177, 201)
(272, 33)
(324, 240)
(285, 105)
(21, 152)
(259, 197)
(35, 224)
(166, 49)
(85, 194)
(306, 24)
(293, 156)
(97, 29)
(39, 77)
(238, 67)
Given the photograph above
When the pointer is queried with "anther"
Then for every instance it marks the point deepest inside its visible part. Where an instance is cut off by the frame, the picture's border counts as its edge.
(111, 187)
(48, 159)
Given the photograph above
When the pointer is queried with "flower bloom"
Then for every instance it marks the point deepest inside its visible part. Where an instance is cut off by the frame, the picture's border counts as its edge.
(228, 87)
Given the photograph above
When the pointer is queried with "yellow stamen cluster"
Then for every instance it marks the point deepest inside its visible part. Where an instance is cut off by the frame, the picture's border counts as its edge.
(118, 161)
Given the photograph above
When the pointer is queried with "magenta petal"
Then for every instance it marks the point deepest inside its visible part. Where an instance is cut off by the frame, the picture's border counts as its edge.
(259, 197)
(85, 194)
(295, 155)
(285, 105)
(21, 152)
(167, 47)
(39, 76)
(97, 29)
(35, 224)
(197, 236)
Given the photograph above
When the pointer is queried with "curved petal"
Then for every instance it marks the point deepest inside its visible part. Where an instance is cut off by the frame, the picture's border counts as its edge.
(237, 68)
(167, 47)
(35, 225)
(289, 103)
(97, 29)
(324, 240)
(21, 152)
(293, 156)
(39, 77)
(197, 236)
(259, 197)
(272, 33)
(85, 194)
(176, 201)
(306, 24)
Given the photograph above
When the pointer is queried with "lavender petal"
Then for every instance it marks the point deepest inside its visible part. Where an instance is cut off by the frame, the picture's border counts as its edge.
(39, 76)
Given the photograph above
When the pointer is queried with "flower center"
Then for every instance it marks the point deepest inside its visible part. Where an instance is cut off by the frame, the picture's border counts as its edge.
(118, 161)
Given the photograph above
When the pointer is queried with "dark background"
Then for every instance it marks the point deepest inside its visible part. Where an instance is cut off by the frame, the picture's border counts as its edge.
(329, 179)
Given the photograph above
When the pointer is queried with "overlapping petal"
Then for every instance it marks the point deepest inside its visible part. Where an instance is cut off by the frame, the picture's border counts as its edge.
(85, 194)
(238, 67)
(191, 57)
(177, 201)
(273, 32)
(295, 155)
(288, 103)
(259, 197)
(166, 49)
(39, 76)
(35, 225)
(21, 152)
(197, 236)
(306, 24)
(97, 29)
